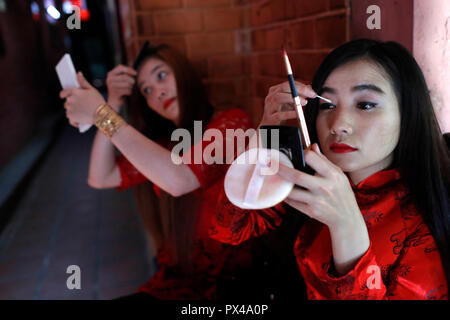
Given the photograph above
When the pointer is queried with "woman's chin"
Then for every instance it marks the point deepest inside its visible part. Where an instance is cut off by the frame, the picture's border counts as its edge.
(345, 165)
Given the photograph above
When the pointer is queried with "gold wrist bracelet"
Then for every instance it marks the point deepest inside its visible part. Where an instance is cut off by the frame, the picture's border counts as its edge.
(107, 120)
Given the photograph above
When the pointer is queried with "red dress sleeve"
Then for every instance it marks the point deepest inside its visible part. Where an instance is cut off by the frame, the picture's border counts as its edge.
(417, 275)
(234, 225)
(402, 262)
(233, 119)
(129, 175)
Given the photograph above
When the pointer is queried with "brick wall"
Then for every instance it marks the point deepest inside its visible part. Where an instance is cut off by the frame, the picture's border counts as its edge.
(236, 44)
(308, 29)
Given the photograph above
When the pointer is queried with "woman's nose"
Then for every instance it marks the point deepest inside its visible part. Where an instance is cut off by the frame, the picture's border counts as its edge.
(341, 123)
(161, 93)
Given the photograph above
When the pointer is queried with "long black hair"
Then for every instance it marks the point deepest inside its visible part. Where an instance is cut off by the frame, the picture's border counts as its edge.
(421, 155)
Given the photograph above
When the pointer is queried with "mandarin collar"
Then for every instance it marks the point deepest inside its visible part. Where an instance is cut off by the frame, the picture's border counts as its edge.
(377, 180)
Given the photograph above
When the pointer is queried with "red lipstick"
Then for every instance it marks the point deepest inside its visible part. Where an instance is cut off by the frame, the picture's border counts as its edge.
(341, 148)
(168, 102)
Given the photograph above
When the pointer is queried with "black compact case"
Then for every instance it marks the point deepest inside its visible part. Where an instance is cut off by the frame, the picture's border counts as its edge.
(290, 143)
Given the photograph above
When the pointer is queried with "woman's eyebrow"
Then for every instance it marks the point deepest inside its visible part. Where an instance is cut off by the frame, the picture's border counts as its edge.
(368, 86)
(156, 68)
(151, 72)
(360, 87)
(327, 89)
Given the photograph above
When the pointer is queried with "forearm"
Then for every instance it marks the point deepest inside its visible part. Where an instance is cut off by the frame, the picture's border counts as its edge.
(154, 162)
(102, 164)
(349, 244)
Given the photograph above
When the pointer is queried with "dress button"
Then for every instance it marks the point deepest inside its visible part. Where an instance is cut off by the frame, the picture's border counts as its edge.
(272, 296)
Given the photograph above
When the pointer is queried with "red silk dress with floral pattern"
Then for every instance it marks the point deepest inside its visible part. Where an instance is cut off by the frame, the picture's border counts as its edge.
(211, 257)
(402, 261)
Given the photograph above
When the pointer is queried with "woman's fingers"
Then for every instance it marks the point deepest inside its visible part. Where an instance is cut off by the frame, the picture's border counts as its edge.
(120, 85)
(320, 163)
(284, 115)
(121, 69)
(279, 98)
(301, 195)
(63, 94)
(300, 206)
(68, 116)
(298, 177)
(121, 78)
(303, 90)
(280, 95)
(274, 103)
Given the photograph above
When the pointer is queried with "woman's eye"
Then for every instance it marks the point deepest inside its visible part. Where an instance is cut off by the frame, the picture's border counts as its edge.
(326, 106)
(162, 75)
(147, 90)
(366, 105)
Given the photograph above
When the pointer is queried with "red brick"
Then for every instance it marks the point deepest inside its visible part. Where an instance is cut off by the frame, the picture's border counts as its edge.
(289, 9)
(336, 4)
(223, 19)
(331, 31)
(178, 42)
(131, 53)
(261, 85)
(301, 35)
(258, 40)
(206, 3)
(242, 86)
(246, 18)
(268, 39)
(306, 7)
(247, 64)
(254, 63)
(257, 109)
(203, 45)
(244, 103)
(243, 41)
(178, 22)
(145, 24)
(201, 66)
(158, 4)
(304, 65)
(221, 91)
(271, 65)
(244, 2)
(271, 11)
(226, 66)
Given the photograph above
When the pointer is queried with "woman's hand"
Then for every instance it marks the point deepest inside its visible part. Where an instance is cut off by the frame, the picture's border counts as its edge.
(280, 95)
(81, 103)
(120, 82)
(328, 197)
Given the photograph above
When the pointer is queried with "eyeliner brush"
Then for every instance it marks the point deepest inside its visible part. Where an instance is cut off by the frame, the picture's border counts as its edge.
(324, 99)
(298, 106)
